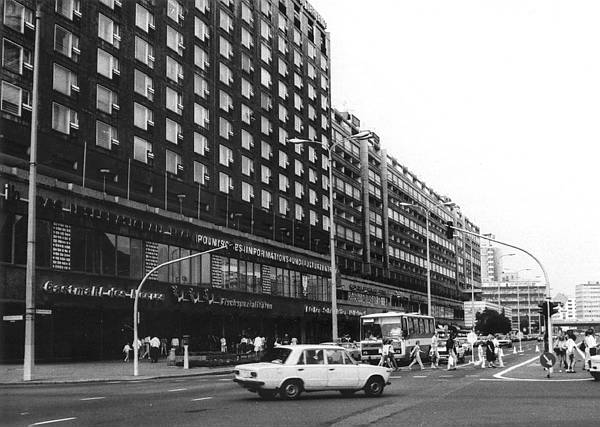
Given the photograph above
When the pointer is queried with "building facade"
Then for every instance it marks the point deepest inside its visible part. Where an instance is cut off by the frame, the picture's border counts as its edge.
(163, 129)
(587, 298)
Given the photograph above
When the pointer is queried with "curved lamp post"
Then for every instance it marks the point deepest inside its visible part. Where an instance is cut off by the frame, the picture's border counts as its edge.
(330, 147)
(137, 293)
(426, 212)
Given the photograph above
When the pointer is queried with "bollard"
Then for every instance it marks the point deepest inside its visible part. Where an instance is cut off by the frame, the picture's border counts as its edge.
(186, 357)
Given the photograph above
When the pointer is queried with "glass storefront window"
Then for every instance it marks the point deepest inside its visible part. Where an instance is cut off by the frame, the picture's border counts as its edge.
(184, 268)
(123, 256)
(107, 253)
(163, 256)
(137, 259)
(174, 269)
(233, 274)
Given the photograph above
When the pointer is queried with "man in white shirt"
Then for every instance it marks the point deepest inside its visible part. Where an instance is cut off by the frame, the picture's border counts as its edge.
(154, 349)
(433, 352)
(590, 347)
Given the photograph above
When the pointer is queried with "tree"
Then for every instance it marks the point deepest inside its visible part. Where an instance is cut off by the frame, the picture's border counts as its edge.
(492, 322)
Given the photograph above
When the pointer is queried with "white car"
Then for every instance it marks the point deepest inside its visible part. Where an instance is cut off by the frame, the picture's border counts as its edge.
(289, 370)
(595, 369)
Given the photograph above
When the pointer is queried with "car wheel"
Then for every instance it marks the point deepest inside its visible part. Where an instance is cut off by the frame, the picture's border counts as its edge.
(347, 393)
(596, 375)
(267, 394)
(374, 387)
(291, 389)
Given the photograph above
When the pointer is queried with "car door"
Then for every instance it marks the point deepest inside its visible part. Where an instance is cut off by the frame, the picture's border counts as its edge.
(312, 370)
(342, 371)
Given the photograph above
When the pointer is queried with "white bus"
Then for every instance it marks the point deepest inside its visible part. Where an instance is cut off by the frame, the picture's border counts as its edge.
(403, 329)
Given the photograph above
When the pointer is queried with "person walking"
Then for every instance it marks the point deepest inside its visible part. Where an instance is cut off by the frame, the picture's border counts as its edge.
(451, 348)
(415, 355)
(433, 351)
(559, 350)
(570, 352)
(490, 351)
(387, 355)
(126, 350)
(590, 348)
(154, 349)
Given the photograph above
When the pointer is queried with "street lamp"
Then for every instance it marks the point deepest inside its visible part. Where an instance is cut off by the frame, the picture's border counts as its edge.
(500, 258)
(137, 293)
(426, 212)
(330, 147)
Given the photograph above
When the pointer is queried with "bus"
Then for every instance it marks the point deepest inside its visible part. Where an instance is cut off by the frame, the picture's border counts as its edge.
(403, 329)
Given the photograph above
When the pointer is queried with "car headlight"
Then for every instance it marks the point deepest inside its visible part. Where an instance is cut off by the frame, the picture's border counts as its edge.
(253, 374)
(236, 372)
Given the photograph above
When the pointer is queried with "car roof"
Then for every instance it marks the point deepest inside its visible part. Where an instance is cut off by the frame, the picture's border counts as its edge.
(308, 346)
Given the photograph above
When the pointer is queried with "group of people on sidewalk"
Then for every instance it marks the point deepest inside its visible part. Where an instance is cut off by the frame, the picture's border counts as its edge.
(148, 348)
(566, 349)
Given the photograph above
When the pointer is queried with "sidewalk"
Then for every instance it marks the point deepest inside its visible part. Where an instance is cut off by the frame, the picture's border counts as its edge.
(53, 373)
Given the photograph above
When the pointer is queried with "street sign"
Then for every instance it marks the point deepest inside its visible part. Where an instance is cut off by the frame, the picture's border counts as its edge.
(547, 360)
(520, 335)
(471, 337)
(42, 311)
(13, 318)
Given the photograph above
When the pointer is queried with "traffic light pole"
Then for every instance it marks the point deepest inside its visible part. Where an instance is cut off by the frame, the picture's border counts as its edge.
(549, 322)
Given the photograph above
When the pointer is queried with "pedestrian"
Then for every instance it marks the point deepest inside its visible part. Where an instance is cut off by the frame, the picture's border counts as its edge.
(286, 339)
(223, 345)
(570, 352)
(163, 347)
(559, 350)
(490, 351)
(146, 346)
(480, 360)
(590, 348)
(258, 347)
(294, 341)
(387, 355)
(451, 348)
(154, 349)
(415, 355)
(126, 350)
(433, 351)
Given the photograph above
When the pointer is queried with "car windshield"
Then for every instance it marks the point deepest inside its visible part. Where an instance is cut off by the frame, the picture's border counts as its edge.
(276, 355)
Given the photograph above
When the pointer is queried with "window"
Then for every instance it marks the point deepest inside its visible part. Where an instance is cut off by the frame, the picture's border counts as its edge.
(107, 64)
(200, 173)
(246, 14)
(225, 155)
(282, 90)
(225, 75)
(298, 167)
(247, 91)
(142, 150)
(297, 58)
(265, 125)
(142, 84)
(173, 131)
(312, 175)
(265, 77)
(225, 21)
(265, 7)
(311, 50)
(67, 8)
(284, 183)
(106, 135)
(142, 116)
(201, 117)
(201, 58)
(246, 62)
(200, 144)
(298, 190)
(283, 113)
(16, 16)
(283, 137)
(265, 53)
(108, 30)
(174, 40)
(283, 160)
(298, 102)
(144, 52)
(173, 162)
(312, 93)
(247, 192)
(64, 80)
(298, 80)
(247, 38)
(265, 150)
(312, 154)
(311, 71)
(266, 199)
(201, 86)
(225, 128)
(265, 174)
(282, 45)
(225, 183)
(282, 22)
(225, 48)
(174, 11)
(225, 101)
(312, 196)
(313, 218)
(299, 212)
(143, 18)
(66, 43)
(298, 126)
(174, 70)
(283, 206)
(13, 98)
(282, 67)
(106, 99)
(247, 166)
(201, 30)
(297, 37)
(173, 101)
(63, 118)
(246, 114)
(247, 140)
(13, 56)
(265, 102)
(202, 5)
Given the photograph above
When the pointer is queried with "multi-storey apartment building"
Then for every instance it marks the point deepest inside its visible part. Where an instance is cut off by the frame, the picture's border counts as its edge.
(163, 129)
(587, 299)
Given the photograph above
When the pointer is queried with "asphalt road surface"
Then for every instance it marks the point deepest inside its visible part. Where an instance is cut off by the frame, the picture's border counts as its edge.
(468, 396)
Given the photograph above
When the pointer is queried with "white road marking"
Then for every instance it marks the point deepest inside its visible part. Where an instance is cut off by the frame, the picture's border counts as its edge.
(53, 421)
(446, 376)
(177, 389)
(224, 379)
(115, 382)
(93, 398)
(201, 398)
(500, 375)
(419, 376)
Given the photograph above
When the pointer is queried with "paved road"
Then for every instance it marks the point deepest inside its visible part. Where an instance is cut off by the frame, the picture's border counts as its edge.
(467, 396)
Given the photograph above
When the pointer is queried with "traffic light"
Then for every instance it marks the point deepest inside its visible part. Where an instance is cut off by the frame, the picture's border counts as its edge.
(449, 230)
(543, 309)
(554, 307)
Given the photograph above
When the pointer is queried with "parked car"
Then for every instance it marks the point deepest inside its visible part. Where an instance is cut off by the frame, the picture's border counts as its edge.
(595, 369)
(352, 348)
(289, 370)
(505, 341)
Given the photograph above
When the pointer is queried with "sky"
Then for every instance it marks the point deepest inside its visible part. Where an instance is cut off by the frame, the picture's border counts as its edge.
(495, 104)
